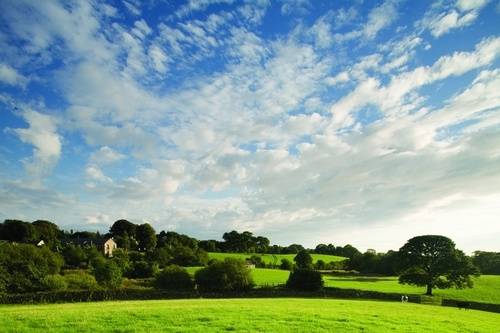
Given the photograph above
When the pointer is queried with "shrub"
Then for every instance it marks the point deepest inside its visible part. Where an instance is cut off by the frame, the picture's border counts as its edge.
(107, 273)
(305, 279)
(54, 282)
(185, 256)
(286, 264)
(74, 256)
(142, 269)
(79, 280)
(24, 266)
(230, 274)
(175, 278)
(303, 260)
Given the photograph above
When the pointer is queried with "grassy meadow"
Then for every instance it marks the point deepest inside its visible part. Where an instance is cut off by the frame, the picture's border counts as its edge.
(273, 258)
(486, 287)
(244, 315)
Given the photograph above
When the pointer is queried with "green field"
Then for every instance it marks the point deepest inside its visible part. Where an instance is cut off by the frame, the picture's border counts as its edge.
(245, 315)
(486, 287)
(273, 258)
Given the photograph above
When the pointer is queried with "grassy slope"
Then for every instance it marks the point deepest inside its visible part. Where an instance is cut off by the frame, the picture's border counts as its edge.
(269, 315)
(486, 288)
(273, 258)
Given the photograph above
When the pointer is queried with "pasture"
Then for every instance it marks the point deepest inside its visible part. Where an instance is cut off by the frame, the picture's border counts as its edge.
(274, 259)
(486, 287)
(269, 315)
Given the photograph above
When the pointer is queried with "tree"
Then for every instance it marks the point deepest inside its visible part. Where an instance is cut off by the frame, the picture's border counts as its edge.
(487, 262)
(305, 279)
(146, 237)
(107, 273)
(123, 228)
(286, 264)
(23, 267)
(47, 231)
(230, 274)
(434, 262)
(18, 231)
(303, 260)
(175, 278)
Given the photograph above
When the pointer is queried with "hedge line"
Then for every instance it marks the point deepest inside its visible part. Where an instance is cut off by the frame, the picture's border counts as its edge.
(472, 305)
(155, 294)
(144, 294)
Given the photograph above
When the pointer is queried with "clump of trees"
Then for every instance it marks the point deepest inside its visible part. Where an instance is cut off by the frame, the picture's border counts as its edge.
(434, 262)
(228, 275)
(487, 262)
(174, 278)
(23, 267)
(304, 277)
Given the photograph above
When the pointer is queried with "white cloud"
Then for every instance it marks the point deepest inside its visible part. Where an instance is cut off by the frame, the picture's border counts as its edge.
(441, 21)
(379, 18)
(11, 76)
(42, 135)
(106, 155)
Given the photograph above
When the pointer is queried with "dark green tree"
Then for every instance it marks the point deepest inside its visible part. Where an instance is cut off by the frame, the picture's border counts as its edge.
(18, 231)
(434, 262)
(123, 228)
(305, 279)
(303, 260)
(47, 231)
(230, 274)
(146, 237)
(175, 278)
(107, 273)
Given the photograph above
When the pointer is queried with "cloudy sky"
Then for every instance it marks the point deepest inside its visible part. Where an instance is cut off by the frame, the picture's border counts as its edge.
(362, 122)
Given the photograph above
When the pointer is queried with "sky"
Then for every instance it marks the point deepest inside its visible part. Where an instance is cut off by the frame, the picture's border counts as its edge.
(344, 122)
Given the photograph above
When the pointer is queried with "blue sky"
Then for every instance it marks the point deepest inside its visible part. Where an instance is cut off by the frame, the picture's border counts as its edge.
(362, 122)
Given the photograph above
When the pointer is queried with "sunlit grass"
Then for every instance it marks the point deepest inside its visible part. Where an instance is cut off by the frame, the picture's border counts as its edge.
(244, 315)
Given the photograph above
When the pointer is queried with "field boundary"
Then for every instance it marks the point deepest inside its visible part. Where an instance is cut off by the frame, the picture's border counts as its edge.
(154, 294)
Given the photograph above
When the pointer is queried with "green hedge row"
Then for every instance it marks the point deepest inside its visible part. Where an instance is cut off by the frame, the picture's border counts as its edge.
(153, 294)
(472, 305)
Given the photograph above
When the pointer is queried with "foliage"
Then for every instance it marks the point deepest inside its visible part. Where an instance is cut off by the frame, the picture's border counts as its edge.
(434, 262)
(142, 269)
(80, 280)
(171, 239)
(162, 256)
(286, 264)
(47, 231)
(244, 242)
(146, 237)
(107, 273)
(305, 279)
(24, 266)
(123, 228)
(303, 260)
(487, 262)
(230, 274)
(18, 231)
(54, 282)
(185, 256)
(173, 277)
(74, 255)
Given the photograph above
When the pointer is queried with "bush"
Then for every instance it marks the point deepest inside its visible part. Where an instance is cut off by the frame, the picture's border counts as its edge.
(54, 282)
(303, 260)
(74, 256)
(25, 266)
(107, 273)
(304, 279)
(286, 264)
(79, 280)
(142, 269)
(174, 278)
(230, 274)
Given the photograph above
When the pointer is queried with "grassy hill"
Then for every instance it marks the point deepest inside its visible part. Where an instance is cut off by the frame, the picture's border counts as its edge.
(486, 287)
(273, 258)
(269, 315)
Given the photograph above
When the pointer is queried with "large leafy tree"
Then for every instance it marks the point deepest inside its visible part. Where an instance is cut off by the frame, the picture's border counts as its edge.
(146, 237)
(123, 228)
(303, 260)
(434, 262)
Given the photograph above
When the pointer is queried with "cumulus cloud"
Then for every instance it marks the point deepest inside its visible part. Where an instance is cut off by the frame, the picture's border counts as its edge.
(11, 76)
(42, 135)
